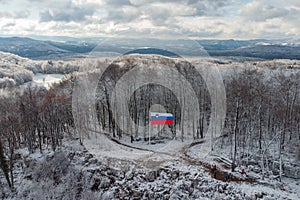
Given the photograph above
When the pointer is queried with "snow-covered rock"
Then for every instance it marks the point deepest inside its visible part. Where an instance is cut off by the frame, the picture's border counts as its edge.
(73, 173)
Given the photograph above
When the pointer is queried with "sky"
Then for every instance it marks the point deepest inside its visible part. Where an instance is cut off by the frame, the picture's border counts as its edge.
(197, 19)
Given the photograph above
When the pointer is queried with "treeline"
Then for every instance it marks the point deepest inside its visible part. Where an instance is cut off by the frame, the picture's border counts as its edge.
(12, 75)
(31, 118)
(263, 115)
(262, 124)
(144, 97)
(263, 110)
(15, 70)
(263, 106)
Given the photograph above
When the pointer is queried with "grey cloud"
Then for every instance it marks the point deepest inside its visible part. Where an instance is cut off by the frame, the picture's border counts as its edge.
(122, 14)
(159, 12)
(49, 4)
(118, 3)
(16, 15)
(5, 15)
(166, 15)
(146, 2)
(258, 11)
(160, 17)
(4, 1)
(9, 25)
(293, 2)
(210, 8)
(67, 14)
(22, 14)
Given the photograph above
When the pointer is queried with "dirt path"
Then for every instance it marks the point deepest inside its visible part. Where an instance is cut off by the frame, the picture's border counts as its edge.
(220, 173)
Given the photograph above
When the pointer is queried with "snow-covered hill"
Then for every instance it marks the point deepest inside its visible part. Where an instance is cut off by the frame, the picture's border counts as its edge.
(45, 49)
(16, 70)
(115, 165)
(72, 172)
(38, 49)
(12, 70)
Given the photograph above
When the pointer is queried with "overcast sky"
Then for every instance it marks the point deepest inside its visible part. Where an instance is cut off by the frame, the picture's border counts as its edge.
(214, 19)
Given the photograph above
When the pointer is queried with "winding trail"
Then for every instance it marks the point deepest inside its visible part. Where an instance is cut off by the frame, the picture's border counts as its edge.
(220, 172)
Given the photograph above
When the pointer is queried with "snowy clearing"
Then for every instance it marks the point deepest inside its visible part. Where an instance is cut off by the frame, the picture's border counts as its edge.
(46, 79)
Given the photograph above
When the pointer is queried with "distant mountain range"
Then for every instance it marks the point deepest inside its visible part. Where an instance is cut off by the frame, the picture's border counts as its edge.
(39, 49)
(64, 47)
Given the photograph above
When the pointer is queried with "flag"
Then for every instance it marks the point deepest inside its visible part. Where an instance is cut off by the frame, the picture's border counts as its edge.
(161, 118)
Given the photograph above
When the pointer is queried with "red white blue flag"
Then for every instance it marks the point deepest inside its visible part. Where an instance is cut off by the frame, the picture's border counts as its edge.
(161, 118)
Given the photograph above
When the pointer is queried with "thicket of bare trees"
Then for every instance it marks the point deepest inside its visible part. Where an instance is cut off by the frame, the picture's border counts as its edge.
(263, 115)
(33, 118)
(144, 97)
(263, 110)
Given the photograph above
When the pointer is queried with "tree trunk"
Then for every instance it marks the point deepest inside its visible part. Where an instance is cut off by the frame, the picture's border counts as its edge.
(4, 166)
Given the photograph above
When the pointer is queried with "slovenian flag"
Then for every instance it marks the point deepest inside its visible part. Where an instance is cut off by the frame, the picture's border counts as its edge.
(161, 118)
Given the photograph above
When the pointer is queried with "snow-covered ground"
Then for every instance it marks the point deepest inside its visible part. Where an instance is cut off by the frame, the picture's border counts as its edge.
(118, 169)
(74, 172)
(46, 79)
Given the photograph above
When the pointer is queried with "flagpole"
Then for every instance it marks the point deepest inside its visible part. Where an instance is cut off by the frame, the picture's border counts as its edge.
(149, 133)
(149, 128)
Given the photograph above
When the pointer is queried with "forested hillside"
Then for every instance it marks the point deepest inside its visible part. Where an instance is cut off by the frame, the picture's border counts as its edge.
(261, 130)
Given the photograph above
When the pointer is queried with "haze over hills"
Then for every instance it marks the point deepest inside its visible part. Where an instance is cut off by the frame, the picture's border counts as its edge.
(38, 49)
(60, 47)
